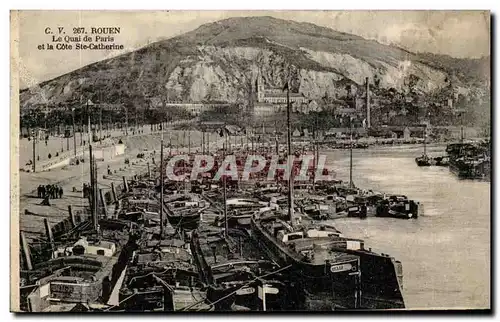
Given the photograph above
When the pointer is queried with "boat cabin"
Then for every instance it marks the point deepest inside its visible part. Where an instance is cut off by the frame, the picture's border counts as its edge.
(187, 204)
(83, 247)
(397, 198)
(243, 203)
(80, 273)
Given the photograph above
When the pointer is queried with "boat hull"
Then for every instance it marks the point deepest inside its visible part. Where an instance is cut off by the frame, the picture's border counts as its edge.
(381, 280)
(188, 222)
(379, 284)
(422, 162)
(322, 289)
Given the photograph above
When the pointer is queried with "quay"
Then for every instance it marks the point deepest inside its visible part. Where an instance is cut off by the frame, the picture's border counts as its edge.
(211, 258)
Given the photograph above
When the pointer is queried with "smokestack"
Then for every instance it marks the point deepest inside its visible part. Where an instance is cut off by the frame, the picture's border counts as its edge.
(368, 112)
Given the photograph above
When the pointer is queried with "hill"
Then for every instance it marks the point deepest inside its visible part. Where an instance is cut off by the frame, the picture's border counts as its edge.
(220, 61)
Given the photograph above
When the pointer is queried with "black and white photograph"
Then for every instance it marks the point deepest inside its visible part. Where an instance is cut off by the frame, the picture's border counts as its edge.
(222, 161)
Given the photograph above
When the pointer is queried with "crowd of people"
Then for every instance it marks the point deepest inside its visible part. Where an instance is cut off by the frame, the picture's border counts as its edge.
(51, 191)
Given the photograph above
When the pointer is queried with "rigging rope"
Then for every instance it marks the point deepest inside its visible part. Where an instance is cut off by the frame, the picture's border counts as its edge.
(248, 283)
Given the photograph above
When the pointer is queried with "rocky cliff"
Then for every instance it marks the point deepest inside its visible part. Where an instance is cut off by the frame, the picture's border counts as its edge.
(220, 62)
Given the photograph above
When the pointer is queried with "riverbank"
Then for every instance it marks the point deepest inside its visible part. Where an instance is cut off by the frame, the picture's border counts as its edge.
(72, 177)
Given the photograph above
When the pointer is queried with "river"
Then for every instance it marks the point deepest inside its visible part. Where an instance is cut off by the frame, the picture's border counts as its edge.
(446, 251)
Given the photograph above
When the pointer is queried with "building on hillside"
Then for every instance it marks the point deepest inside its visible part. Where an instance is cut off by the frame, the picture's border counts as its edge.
(345, 132)
(342, 111)
(381, 132)
(266, 109)
(195, 108)
(401, 132)
(265, 129)
(406, 133)
(276, 95)
(305, 107)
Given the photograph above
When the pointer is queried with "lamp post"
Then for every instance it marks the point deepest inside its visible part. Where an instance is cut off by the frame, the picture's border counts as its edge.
(74, 131)
(34, 150)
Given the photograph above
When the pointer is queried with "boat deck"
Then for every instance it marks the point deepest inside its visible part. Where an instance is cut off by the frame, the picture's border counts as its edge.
(318, 250)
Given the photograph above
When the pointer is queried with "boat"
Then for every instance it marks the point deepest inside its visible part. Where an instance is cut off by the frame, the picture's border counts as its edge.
(335, 272)
(233, 270)
(470, 160)
(83, 272)
(423, 161)
(326, 276)
(160, 276)
(442, 161)
(184, 211)
(323, 207)
(405, 209)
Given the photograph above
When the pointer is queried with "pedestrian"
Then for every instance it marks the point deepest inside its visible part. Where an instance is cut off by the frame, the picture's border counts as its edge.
(86, 191)
(42, 191)
(45, 201)
(109, 170)
(60, 192)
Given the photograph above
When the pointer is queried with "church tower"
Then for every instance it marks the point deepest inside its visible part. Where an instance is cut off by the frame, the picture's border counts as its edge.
(260, 89)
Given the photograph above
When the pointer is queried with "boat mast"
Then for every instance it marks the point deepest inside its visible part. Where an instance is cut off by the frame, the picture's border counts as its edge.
(351, 185)
(316, 161)
(252, 138)
(161, 186)
(224, 184)
(289, 143)
(276, 137)
(96, 198)
(202, 141)
(93, 205)
(315, 151)
(100, 119)
(169, 140)
(425, 140)
(74, 130)
(208, 142)
(461, 127)
(35, 134)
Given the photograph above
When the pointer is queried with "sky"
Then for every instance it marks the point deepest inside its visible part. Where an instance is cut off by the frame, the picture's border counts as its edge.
(463, 34)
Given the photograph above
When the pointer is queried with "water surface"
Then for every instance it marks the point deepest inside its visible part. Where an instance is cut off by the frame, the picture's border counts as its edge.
(446, 252)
